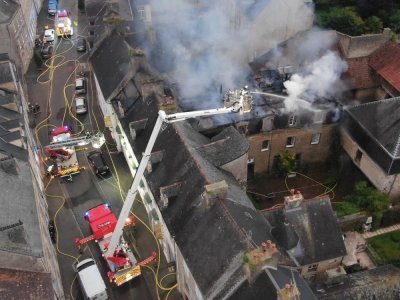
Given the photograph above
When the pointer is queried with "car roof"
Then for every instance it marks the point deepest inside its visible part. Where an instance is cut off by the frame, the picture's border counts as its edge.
(79, 100)
(49, 32)
(79, 80)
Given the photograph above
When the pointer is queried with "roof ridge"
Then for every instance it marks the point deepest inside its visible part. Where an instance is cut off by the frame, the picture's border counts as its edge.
(375, 102)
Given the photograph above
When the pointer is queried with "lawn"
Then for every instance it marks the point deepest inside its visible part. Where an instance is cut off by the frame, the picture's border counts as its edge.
(385, 249)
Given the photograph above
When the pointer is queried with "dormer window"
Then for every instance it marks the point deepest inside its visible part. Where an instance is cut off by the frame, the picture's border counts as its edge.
(292, 120)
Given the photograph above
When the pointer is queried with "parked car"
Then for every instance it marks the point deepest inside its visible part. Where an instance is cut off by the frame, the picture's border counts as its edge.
(48, 36)
(52, 7)
(46, 51)
(80, 105)
(80, 85)
(81, 45)
(97, 161)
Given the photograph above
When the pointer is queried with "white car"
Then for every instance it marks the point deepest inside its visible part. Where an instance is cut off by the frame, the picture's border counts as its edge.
(48, 36)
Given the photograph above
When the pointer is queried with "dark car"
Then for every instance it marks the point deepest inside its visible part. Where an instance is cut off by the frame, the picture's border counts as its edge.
(46, 51)
(81, 45)
(97, 161)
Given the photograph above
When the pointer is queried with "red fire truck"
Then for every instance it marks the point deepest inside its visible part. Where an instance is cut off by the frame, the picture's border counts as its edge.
(122, 263)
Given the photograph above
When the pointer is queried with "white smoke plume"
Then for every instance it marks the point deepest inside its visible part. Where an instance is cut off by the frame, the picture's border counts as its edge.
(210, 43)
(319, 80)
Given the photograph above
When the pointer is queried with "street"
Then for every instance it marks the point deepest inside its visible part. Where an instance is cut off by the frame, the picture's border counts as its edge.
(52, 87)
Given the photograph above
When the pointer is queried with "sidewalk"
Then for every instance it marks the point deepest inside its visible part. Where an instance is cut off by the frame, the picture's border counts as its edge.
(380, 231)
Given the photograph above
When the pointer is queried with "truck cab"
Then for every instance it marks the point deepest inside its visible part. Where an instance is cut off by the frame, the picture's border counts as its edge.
(90, 280)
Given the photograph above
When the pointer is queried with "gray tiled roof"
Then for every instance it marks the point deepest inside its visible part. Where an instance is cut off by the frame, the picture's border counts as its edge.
(216, 151)
(16, 284)
(7, 10)
(18, 204)
(111, 64)
(380, 283)
(201, 233)
(381, 120)
(315, 226)
(5, 74)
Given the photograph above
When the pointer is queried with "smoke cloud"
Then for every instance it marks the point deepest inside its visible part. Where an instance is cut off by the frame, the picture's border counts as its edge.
(320, 79)
(207, 44)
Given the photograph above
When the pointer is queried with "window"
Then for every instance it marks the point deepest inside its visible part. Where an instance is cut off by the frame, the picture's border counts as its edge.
(290, 141)
(141, 13)
(265, 145)
(312, 268)
(292, 120)
(315, 138)
(358, 156)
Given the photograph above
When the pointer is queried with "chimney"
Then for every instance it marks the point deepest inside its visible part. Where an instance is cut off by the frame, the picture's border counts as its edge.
(289, 292)
(294, 200)
(168, 194)
(136, 126)
(214, 191)
(9, 165)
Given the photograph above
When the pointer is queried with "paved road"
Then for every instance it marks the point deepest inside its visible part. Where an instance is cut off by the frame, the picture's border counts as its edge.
(67, 201)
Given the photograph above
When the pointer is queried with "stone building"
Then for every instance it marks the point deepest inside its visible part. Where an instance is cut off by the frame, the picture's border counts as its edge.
(18, 30)
(25, 243)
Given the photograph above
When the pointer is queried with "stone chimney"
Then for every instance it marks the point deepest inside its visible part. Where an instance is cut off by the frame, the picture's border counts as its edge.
(289, 292)
(136, 126)
(214, 191)
(294, 200)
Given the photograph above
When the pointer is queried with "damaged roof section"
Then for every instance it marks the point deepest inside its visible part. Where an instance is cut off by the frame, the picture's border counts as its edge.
(375, 126)
(309, 231)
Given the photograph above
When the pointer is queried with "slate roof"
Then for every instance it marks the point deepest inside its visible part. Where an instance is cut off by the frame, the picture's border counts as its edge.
(7, 10)
(5, 73)
(386, 62)
(375, 126)
(16, 284)
(315, 227)
(381, 119)
(111, 64)
(18, 204)
(379, 283)
(200, 233)
(270, 282)
(216, 151)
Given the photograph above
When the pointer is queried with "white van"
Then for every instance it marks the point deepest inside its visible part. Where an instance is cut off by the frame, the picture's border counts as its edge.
(80, 105)
(92, 284)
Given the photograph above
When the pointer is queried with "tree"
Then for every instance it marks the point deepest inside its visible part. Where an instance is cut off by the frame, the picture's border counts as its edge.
(287, 162)
(373, 25)
(394, 21)
(370, 199)
(345, 20)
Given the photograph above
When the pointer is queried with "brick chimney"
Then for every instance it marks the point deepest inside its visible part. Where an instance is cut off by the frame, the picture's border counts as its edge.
(289, 292)
(294, 200)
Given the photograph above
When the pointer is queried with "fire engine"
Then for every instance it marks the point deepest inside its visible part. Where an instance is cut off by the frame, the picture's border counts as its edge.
(108, 230)
(63, 24)
(122, 263)
(62, 150)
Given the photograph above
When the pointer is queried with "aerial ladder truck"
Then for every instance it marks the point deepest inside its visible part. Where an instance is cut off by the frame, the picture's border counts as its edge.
(62, 150)
(238, 102)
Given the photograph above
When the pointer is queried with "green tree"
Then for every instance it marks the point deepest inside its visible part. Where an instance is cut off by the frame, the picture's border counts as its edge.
(370, 199)
(373, 25)
(394, 21)
(287, 162)
(345, 20)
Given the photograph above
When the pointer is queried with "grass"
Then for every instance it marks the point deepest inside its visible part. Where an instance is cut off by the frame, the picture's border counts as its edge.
(385, 249)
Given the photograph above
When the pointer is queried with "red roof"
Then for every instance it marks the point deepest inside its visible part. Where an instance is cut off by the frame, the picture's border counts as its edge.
(60, 130)
(386, 62)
